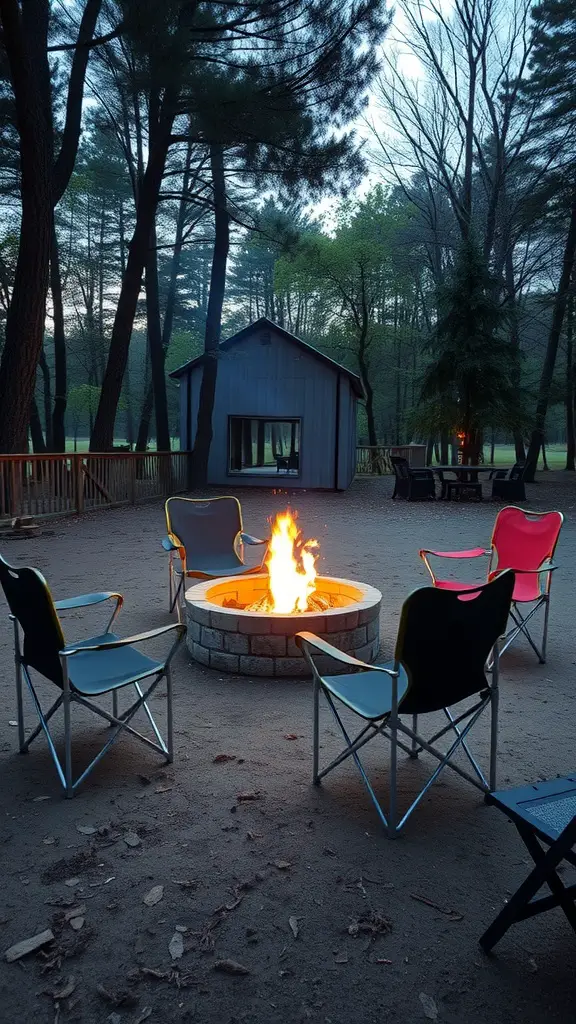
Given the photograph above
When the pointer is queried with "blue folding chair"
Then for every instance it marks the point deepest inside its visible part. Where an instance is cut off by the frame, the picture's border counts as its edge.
(445, 639)
(205, 540)
(545, 815)
(84, 670)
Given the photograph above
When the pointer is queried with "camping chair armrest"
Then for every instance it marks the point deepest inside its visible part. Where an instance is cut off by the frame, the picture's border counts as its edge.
(247, 538)
(545, 567)
(69, 652)
(171, 543)
(83, 600)
(323, 647)
(470, 553)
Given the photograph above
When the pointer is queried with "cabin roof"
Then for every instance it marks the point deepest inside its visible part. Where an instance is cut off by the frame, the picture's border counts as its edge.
(265, 324)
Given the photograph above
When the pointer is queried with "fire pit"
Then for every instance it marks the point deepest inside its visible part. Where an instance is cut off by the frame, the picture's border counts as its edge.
(247, 624)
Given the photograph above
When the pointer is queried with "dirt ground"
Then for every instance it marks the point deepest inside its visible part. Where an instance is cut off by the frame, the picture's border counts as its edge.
(300, 886)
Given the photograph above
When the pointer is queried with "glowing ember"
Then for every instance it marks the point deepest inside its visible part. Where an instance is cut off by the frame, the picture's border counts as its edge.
(292, 569)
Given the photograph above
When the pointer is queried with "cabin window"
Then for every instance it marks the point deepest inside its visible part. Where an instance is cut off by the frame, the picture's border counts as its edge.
(264, 447)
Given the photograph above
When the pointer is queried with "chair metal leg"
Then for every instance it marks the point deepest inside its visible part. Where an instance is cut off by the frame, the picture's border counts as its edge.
(114, 706)
(68, 784)
(19, 697)
(393, 799)
(414, 748)
(545, 631)
(316, 733)
(169, 716)
(494, 705)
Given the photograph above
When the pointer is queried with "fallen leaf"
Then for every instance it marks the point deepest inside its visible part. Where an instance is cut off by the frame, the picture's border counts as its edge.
(254, 835)
(132, 839)
(163, 789)
(39, 799)
(146, 1012)
(341, 958)
(77, 923)
(26, 946)
(154, 896)
(223, 758)
(282, 865)
(86, 830)
(186, 883)
(252, 795)
(181, 928)
(293, 922)
(65, 990)
(49, 841)
(230, 967)
(429, 1006)
(381, 960)
(290, 736)
(176, 946)
(71, 882)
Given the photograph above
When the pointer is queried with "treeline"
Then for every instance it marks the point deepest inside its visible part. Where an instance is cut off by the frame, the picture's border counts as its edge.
(160, 175)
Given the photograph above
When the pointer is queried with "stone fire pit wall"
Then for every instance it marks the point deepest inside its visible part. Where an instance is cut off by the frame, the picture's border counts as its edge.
(262, 644)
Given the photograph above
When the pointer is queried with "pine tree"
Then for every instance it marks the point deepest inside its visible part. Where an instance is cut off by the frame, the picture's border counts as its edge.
(469, 385)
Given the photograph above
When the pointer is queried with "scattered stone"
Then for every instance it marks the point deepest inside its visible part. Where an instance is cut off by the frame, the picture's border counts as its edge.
(230, 967)
(86, 830)
(429, 1006)
(26, 946)
(176, 946)
(154, 895)
(132, 839)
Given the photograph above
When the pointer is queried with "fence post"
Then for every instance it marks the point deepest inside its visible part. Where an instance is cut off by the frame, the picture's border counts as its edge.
(78, 478)
(14, 488)
(132, 463)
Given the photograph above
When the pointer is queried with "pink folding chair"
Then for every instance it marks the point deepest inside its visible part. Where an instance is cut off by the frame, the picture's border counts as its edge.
(524, 542)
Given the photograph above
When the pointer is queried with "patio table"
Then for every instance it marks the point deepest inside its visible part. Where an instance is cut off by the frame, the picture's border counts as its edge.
(469, 474)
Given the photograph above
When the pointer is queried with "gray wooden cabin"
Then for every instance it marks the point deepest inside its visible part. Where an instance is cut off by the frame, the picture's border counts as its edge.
(284, 413)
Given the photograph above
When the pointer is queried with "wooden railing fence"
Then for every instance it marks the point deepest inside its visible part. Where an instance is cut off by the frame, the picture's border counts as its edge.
(376, 459)
(55, 485)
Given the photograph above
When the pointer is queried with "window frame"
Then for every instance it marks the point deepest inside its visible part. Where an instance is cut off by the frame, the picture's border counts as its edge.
(273, 474)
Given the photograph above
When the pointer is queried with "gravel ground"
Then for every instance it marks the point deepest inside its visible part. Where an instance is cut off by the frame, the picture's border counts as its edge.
(300, 886)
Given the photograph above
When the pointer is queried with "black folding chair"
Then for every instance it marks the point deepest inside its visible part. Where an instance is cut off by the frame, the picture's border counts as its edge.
(81, 671)
(545, 816)
(445, 639)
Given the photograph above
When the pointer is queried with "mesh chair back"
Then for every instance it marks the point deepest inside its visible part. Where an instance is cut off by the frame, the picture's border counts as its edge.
(401, 467)
(517, 471)
(445, 638)
(207, 529)
(31, 604)
(524, 540)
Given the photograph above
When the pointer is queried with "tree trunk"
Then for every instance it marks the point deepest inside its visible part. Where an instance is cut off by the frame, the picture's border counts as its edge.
(176, 258)
(42, 184)
(102, 438)
(570, 437)
(25, 37)
(46, 390)
(213, 318)
(38, 443)
(145, 419)
(559, 310)
(60, 369)
(156, 349)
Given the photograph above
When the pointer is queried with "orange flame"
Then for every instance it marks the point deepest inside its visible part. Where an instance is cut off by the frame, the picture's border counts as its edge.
(291, 566)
